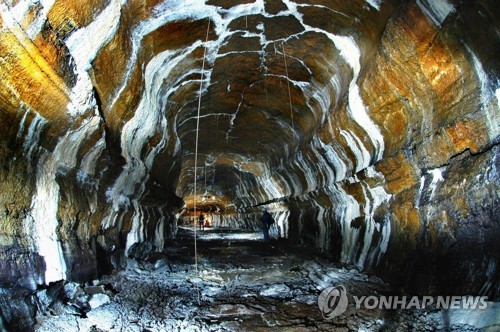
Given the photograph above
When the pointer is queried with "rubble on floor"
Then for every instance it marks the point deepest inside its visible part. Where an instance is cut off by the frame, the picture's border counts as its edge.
(242, 284)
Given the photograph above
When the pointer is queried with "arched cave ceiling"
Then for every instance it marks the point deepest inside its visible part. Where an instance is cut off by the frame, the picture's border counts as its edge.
(295, 95)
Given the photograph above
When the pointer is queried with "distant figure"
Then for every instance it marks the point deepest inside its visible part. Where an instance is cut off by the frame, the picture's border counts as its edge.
(201, 221)
(207, 224)
(267, 221)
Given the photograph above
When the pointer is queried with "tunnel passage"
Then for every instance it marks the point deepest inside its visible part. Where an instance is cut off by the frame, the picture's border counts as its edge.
(368, 129)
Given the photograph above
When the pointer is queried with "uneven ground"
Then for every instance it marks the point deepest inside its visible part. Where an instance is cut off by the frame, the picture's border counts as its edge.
(243, 284)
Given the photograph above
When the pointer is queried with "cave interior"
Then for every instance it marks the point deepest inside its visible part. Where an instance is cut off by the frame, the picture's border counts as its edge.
(368, 129)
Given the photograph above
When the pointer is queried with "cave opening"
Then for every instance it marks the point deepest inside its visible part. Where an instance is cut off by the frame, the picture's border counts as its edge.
(368, 130)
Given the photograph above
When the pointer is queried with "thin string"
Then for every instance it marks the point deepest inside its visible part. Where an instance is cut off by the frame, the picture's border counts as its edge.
(288, 84)
(196, 161)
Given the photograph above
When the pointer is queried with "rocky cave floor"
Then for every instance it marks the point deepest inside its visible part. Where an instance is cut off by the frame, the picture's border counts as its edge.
(243, 284)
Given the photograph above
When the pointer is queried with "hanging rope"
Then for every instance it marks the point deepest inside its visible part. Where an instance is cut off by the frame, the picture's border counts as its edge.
(205, 171)
(288, 84)
(196, 160)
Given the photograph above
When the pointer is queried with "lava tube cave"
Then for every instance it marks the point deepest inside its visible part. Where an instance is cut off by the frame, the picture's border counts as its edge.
(249, 165)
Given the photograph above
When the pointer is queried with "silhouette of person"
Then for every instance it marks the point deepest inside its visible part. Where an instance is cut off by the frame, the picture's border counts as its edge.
(201, 221)
(266, 220)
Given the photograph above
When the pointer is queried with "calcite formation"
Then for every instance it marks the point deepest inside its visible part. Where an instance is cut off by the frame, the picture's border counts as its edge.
(368, 128)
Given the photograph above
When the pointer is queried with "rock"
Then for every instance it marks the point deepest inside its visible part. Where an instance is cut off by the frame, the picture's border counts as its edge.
(18, 309)
(132, 264)
(43, 300)
(141, 250)
(308, 299)
(277, 291)
(77, 296)
(72, 289)
(98, 300)
(375, 279)
(233, 310)
(134, 327)
(21, 267)
(104, 317)
(211, 291)
(195, 280)
(161, 263)
(92, 290)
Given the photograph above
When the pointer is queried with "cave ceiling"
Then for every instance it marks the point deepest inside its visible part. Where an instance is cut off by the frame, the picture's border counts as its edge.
(272, 73)
(281, 86)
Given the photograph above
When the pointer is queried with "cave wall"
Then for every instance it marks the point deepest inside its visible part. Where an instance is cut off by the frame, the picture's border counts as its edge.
(423, 214)
(435, 236)
(439, 175)
(59, 155)
(387, 162)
